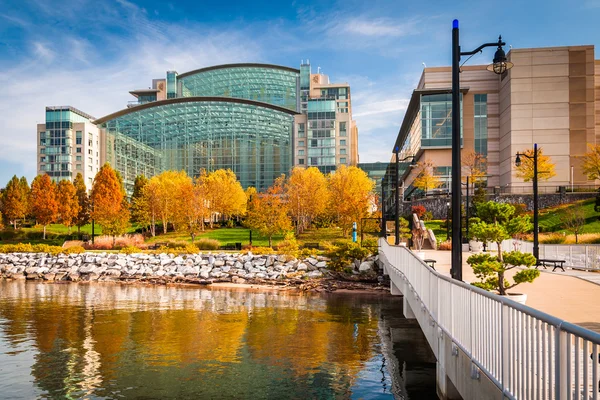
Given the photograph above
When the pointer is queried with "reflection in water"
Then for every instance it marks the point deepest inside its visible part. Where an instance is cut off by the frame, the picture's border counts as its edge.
(108, 341)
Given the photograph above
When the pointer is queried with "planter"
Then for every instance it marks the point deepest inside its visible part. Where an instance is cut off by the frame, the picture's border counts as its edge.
(420, 254)
(475, 245)
(465, 247)
(518, 297)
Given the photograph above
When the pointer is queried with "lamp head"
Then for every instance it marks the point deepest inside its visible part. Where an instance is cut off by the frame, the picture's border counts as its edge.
(518, 160)
(500, 64)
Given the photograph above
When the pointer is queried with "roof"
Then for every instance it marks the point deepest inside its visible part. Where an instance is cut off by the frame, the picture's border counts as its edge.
(142, 92)
(241, 65)
(69, 108)
(192, 100)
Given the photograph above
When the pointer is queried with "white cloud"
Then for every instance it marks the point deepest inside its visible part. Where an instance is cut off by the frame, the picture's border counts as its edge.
(43, 51)
(377, 27)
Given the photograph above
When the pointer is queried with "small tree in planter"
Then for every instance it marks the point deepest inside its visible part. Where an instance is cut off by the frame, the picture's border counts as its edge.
(491, 270)
(485, 233)
(404, 229)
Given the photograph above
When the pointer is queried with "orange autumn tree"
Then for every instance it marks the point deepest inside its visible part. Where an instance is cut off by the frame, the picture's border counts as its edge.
(109, 206)
(83, 201)
(68, 203)
(473, 166)
(268, 211)
(308, 196)
(351, 194)
(42, 202)
(14, 202)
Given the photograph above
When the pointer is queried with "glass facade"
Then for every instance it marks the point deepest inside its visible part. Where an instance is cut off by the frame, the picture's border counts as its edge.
(436, 120)
(251, 139)
(481, 132)
(277, 86)
(321, 134)
(171, 84)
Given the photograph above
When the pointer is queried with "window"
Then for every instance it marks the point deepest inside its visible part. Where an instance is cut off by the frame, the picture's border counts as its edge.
(90, 143)
(90, 152)
(436, 120)
(78, 167)
(42, 159)
(78, 137)
(77, 158)
(301, 143)
(90, 168)
(343, 160)
(301, 152)
(343, 142)
(342, 129)
(481, 133)
(342, 151)
(301, 161)
(78, 150)
(42, 141)
(90, 181)
(90, 160)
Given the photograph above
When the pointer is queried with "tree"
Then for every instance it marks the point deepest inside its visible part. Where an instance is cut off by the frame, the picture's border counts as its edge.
(425, 179)
(1, 221)
(14, 205)
(574, 220)
(109, 206)
(591, 162)
(518, 226)
(25, 193)
(224, 194)
(83, 215)
(352, 193)
(168, 199)
(43, 203)
(138, 214)
(190, 215)
(545, 166)
(68, 204)
(492, 232)
(491, 270)
(308, 196)
(148, 205)
(492, 212)
(268, 212)
(473, 166)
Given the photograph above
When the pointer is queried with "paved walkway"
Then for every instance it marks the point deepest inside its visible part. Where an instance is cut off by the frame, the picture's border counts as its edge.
(562, 294)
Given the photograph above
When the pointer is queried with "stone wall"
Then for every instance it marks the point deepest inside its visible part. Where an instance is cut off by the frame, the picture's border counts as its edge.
(198, 268)
(437, 205)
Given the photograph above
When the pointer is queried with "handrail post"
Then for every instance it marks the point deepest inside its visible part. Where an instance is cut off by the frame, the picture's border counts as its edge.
(505, 361)
(560, 363)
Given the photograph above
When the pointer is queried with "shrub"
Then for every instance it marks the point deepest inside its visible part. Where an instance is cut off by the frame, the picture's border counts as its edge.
(74, 250)
(305, 253)
(16, 248)
(208, 244)
(445, 245)
(427, 216)
(553, 238)
(371, 244)
(419, 210)
(520, 209)
(193, 249)
(491, 270)
(130, 250)
(261, 250)
(288, 246)
(342, 254)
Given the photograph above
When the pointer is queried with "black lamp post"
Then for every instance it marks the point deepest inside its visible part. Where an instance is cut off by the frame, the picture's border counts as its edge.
(536, 242)
(383, 220)
(448, 221)
(499, 66)
(397, 195)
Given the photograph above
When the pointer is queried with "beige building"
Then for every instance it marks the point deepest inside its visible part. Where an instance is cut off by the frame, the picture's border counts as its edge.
(550, 97)
(68, 144)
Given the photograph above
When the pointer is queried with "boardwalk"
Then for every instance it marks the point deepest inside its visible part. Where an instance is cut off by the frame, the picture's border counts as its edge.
(562, 295)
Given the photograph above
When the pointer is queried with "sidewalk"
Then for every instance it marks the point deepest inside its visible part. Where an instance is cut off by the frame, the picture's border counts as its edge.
(572, 295)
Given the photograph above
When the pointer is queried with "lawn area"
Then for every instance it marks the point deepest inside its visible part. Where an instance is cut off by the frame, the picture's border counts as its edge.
(550, 218)
(56, 234)
(438, 227)
(223, 235)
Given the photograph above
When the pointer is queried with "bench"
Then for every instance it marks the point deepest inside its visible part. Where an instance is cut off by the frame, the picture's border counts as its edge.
(311, 246)
(231, 246)
(551, 263)
(431, 262)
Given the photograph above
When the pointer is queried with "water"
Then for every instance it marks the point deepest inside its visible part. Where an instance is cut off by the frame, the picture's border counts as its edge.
(152, 342)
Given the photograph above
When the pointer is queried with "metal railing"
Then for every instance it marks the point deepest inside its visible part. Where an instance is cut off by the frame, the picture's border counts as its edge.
(526, 353)
(578, 256)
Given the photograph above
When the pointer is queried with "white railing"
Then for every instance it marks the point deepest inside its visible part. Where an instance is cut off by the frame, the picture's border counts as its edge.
(579, 256)
(528, 354)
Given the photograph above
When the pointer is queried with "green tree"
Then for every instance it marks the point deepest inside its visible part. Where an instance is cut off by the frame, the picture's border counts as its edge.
(518, 226)
(491, 270)
(492, 232)
(14, 205)
(83, 214)
(492, 211)
(44, 205)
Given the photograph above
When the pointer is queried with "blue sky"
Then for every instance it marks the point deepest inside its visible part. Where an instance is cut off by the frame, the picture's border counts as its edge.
(90, 53)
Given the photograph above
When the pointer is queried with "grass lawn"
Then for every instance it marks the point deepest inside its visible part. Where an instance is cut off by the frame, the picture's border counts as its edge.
(438, 227)
(223, 235)
(550, 218)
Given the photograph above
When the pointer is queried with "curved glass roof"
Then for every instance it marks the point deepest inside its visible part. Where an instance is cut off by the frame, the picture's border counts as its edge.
(252, 139)
(260, 82)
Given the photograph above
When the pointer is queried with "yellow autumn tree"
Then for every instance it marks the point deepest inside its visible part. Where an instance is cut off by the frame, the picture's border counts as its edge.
(109, 206)
(425, 179)
(268, 212)
(68, 203)
(545, 166)
(168, 199)
(83, 201)
(473, 166)
(351, 194)
(189, 216)
(591, 162)
(44, 206)
(14, 204)
(307, 194)
(148, 204)
(224, 194)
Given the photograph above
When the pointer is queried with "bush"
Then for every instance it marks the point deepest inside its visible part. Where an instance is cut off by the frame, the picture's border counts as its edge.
(28, 248)
(261, 250)
(553, 238)
(289, 245)
(208, 244)
(445, 245)
(130, 250)
(305, 253)
(419, 210)
(343, 254)
(74, 250)
(520, 209)
(428, 216)
(10, 234)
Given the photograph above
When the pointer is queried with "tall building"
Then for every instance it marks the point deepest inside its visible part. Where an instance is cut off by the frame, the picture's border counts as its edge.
(258, 120)
(550, 97)
(68, 143)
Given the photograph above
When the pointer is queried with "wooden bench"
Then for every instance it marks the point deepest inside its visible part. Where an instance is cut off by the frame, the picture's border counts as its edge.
(311, 246)
(551, 263)
(431, 262)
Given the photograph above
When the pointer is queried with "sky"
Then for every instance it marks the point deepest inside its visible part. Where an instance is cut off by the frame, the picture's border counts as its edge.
(90, 53)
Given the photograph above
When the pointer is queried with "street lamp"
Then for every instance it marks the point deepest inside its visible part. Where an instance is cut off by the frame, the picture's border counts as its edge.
(397, 195)
(499, 66)
(448, 221)
(536, 242)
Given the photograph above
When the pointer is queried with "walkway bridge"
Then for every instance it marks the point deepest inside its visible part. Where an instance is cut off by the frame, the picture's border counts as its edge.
(489, 347)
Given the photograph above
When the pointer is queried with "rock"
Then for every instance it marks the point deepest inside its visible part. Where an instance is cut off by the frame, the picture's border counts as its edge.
(31, 270)
(367, 266)
(226, 268)
(247, 265)
(261, 275)
(219, 263)
(322, 264)
(235, 279)
(312, 261)
(315, 274)
(211, 260)
(281, 258)
(121, 262)
(302, 267)
(204, 274)
(312, 267)
(87, 269)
